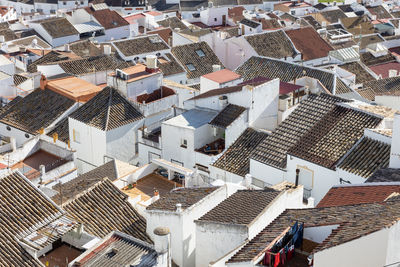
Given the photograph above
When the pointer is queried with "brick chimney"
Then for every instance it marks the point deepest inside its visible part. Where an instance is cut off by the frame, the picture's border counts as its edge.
(43, 82)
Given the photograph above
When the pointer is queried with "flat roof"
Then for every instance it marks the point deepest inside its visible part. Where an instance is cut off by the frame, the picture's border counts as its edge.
(137, 72)
(191, 119)
(222, 76)
(74, 88)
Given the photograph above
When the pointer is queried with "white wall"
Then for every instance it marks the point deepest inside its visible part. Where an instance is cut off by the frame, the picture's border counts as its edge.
(121, 142)
(369, 250)
(388, 101)
(266, 173)
(393, 248)
(182, 226)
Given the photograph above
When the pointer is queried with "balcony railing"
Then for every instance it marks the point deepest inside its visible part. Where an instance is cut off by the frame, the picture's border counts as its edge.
(306, 193)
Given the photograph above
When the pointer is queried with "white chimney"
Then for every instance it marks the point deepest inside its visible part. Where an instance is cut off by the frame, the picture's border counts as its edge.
(13, 143)
(395, 146)
(223, 101)
(247, 180)
(178, 207)
(107, 50)
(392, 73)
(2, 39)
(66, 47)
(151, 62)
(42, 169)
(162, 241)
(216, 68)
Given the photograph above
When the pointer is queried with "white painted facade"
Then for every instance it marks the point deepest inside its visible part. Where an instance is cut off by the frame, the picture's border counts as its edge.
(227, 237)
(54, 42)
(182, 225)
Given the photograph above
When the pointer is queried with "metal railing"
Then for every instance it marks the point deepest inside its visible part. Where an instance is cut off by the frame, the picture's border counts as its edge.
(306, 193)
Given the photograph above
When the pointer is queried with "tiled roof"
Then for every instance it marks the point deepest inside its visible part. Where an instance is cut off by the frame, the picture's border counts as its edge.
(287, 16)
(320, 6)
(27, 41)
(396, 14)
(104, 208)
(313, 22)
(18, 79)
(242, 207)
(249, 23)
(333, 136)
(385, 175)
(346, 8)
(186, 54)
(93, 64)
(271, 69)
(85, 48)
(309, 43)
(128, 252)
(341, 87)
(8, 34)
(270, 24)
(107, 110)
(368, 39)
(381, 86)
(141, 45)
(69, 190)
(184, 196)
(236, 159)
(382, 70)
(171, 66)
(354, 222)
(58, 27)
(52, 56)
(108, 18)
(37, 110)
(380, 12)
(273, 44)
(228, 115)
(353, 25)
(370, 60)
(62, 130)
(362, 75)
(173, 23)
(333, 16)
(273, 150)
(367, 156)
(23, 208)
(357, 194)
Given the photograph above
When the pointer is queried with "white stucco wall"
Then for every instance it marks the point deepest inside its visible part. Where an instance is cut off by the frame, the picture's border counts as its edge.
(369, 250)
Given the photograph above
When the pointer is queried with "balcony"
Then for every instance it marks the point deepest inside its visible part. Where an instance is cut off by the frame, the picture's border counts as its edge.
(152, 138)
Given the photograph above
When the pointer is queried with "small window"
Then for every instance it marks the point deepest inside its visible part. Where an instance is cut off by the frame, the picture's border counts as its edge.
(64, 3)
(136, 59)
(184, 143)
(8, 128)
(158, 54)
(215, 19)
(292, 12)
(82, 2)
(27, 135)
(190, 67)
(76, 136)
(200, 53)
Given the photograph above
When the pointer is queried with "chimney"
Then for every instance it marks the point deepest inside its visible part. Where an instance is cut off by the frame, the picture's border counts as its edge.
(223, 101)
(42, 169)
(178, 207)
(395, 147)
(2, 39)
(66, 47)
(43, 82)
(156, 196)
(392, 73)
(151, 64)
(162, 240)
(247, 180)
(297, 177)
(216, 68)
(107, 50)
(13, 143)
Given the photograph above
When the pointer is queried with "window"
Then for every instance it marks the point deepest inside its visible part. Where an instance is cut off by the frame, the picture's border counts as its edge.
(27, 135)
(200, 53)
(64, 3)
(76, 136)
(215, 19)
(190, 67)
(292, 12)
(136, 59)
(158, 54)
(184, 143)
(82, 3)
(8, 128)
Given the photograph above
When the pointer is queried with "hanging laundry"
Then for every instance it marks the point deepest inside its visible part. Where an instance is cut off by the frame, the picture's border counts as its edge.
(277, 259)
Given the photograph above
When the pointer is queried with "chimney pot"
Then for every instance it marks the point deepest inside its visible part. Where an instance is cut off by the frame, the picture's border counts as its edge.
(297, 177)
(179, 207)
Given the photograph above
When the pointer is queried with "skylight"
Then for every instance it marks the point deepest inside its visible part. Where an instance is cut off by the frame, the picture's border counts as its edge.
(190, 67)
(200, 53)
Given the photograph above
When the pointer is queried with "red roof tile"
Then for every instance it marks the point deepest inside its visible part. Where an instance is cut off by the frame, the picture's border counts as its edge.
(309, 43)
(357, 194)
(383, 69)
(222, 76)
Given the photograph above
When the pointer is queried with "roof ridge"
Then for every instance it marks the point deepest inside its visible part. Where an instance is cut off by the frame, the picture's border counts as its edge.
(108, 109)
